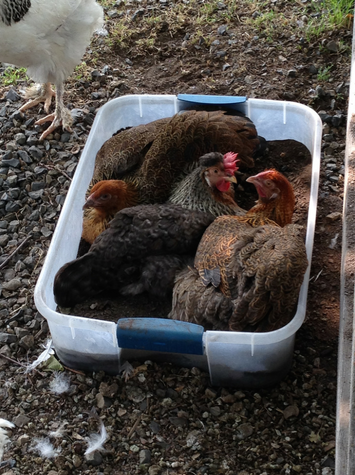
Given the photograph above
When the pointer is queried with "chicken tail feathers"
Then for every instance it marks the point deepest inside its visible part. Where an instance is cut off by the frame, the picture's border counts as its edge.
(73, 282)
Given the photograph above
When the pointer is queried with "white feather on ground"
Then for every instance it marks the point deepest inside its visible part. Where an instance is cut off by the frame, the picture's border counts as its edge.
(60, 383)
(58, 432)
(96, 441)
(44, 447)
(48, 351)
(3, 435)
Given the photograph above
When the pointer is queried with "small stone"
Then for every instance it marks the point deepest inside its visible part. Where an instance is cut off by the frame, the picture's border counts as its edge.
(134, 448)
(210, 393)
(291, 411)
(337, 120)
(291, 73)
(144, 456)
(12, 162)
(21, 420)
(12, 181)
(94, 458)
(35, 195)
(154, 470)
(65, 137)
(23, 439)
(20, 138)
(21, 332)
(334, 216)
(222, 30)
(244, 431)
(4, 239)
(12, 285)
(37, 185)
(215, 411)
(77, 461)
(27, 342)
(100, 401)
(332, 46)
(46, 232)
(35, 152)
(12, 96)
(313, 69)
(7, 338)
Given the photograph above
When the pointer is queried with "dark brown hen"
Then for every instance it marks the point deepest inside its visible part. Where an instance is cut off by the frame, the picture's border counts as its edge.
(122, 255)
(250, 267)
(152, 157)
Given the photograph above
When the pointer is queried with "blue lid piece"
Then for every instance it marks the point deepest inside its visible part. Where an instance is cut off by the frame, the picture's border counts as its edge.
(205, 99)
(159, 334)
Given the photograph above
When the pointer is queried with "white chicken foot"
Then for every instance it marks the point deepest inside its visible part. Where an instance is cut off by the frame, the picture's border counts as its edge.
(61, 116)
(38, 93)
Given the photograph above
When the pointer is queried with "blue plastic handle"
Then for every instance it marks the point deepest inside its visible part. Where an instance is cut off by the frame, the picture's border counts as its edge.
(205, 99)
(159, 334)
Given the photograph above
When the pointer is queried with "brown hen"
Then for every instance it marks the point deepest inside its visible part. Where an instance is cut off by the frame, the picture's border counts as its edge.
(248, 270)
(152, 157)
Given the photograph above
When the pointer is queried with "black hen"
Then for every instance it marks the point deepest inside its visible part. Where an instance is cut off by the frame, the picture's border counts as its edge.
(141, 250)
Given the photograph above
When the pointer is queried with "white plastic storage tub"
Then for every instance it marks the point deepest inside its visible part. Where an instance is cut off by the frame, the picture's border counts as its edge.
(232, 358)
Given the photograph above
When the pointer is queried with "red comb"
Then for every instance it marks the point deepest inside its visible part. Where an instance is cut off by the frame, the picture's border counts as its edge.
(230, 162)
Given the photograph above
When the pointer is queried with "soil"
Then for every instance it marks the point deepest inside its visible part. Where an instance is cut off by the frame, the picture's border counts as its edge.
(288, 156)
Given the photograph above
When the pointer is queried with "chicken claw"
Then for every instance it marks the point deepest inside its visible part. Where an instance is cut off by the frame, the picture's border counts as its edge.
(61, 117)
(38, 93)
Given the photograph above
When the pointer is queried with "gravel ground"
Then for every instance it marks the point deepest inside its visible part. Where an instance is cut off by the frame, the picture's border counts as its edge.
(164, 419)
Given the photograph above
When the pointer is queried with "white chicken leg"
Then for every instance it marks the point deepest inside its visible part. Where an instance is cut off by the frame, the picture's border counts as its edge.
(60, 117)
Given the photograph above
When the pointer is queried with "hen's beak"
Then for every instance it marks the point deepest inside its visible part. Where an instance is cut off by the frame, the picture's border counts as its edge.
(89, 203)
(232, 179)
(254, 180)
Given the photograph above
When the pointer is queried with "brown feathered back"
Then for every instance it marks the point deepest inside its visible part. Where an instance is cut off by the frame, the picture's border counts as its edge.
(125, 151)
(177, 144)
(263, 274)
(270, 271)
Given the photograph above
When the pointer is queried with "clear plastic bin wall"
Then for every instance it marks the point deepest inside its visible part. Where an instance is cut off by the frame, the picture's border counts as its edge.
(80, 340)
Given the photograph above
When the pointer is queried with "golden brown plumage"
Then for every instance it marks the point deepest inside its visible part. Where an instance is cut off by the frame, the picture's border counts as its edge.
(106, 199)
(152, 157)
(251, 265)
(275, 206)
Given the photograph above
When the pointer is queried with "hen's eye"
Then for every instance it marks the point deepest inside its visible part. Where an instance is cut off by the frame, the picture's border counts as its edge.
(105, 197)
